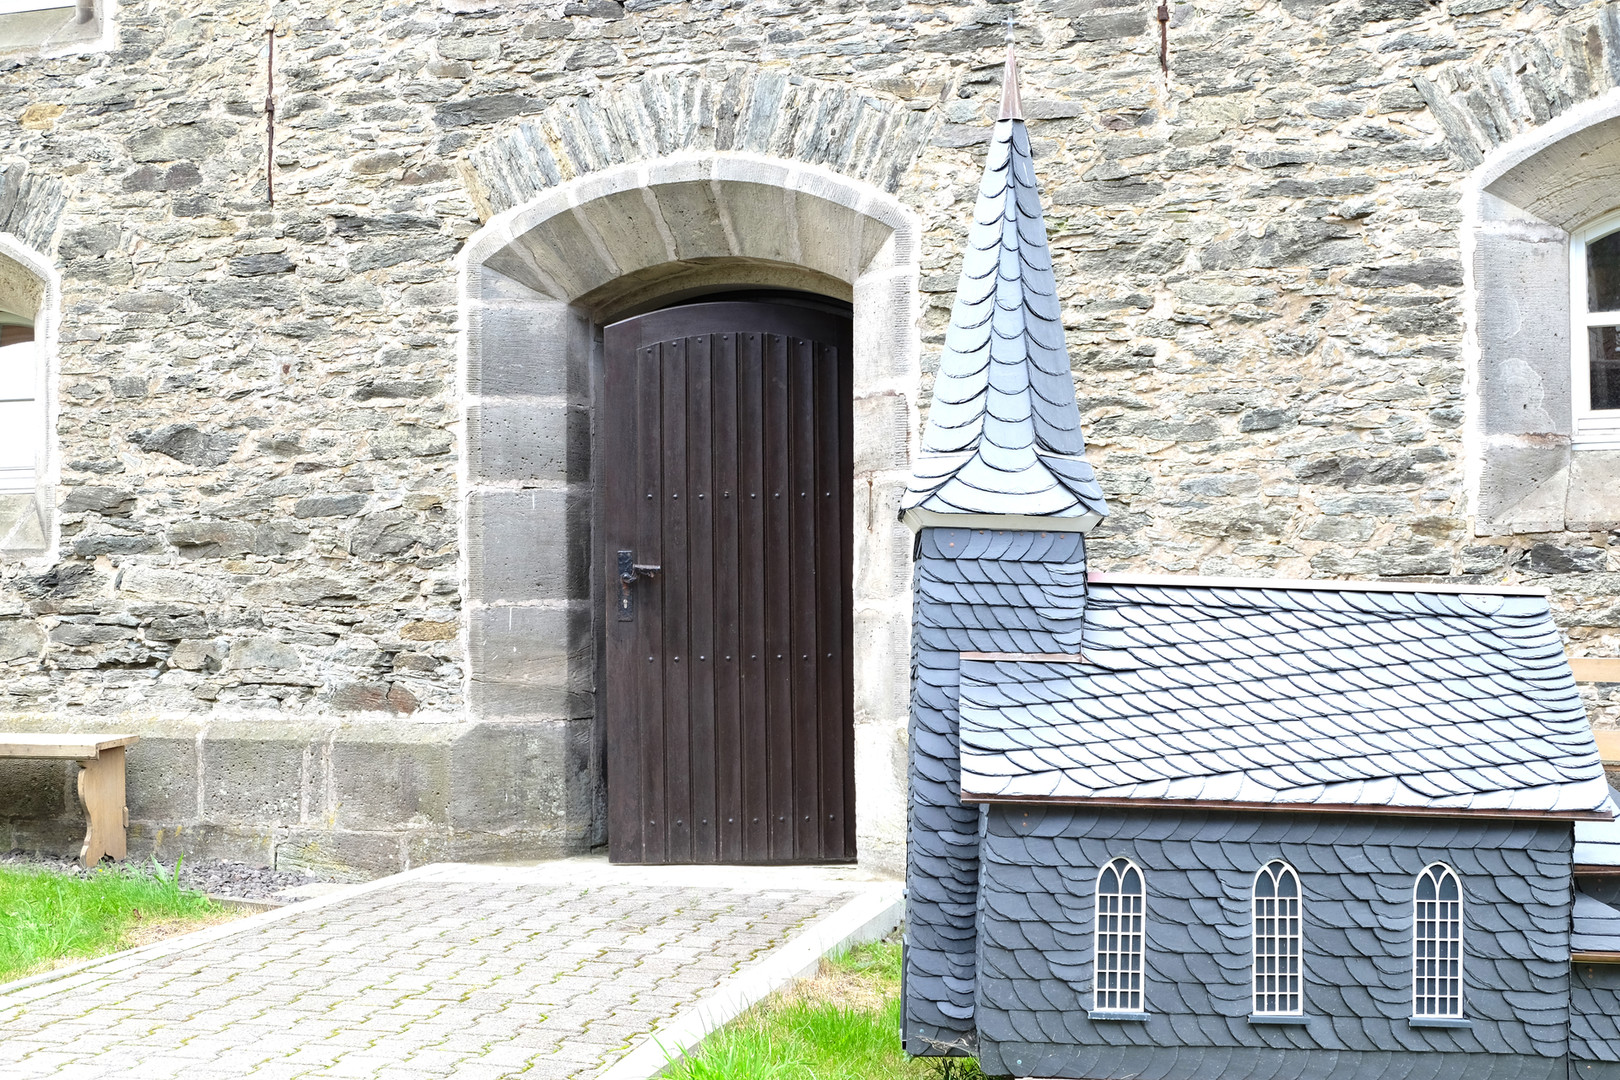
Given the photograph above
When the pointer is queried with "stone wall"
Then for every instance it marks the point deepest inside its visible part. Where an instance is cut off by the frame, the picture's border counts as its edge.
(261, 535)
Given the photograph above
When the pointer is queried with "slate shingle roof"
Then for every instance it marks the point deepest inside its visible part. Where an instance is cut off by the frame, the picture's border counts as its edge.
(1292, 694)
(1597, 843)
(1596, 927)
(1003, 435)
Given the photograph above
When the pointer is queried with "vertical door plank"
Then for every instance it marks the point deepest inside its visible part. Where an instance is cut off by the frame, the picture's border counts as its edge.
(702, 664)
(726, 573)
(846, 578)
(779, 571)
(648, 665)
(804, 584)
(676, 581)
(618, 420)
(831, 531)
(753, 496)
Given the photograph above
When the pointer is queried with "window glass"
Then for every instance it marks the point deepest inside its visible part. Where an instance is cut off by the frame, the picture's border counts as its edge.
(1437, 944)
(1277, 940)
(1604, 345)
(1603, 273)
(1120, 897)
(22, 427)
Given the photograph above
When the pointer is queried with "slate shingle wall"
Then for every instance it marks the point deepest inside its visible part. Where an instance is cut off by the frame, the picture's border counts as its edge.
(1034, 957)
(993, 591)
(1594, 1022)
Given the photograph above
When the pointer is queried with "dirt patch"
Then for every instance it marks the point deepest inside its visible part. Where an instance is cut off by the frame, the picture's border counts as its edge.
(839, 986)
(145, 931)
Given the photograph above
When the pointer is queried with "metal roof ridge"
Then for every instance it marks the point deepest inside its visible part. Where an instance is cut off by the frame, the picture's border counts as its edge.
(1101, 577)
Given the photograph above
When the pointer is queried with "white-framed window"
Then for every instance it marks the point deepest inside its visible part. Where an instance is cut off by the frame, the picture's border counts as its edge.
(1277, 982)
(53, 25)
(22, 418)
(1437, 943)
(1594, 304)
(1121, 909)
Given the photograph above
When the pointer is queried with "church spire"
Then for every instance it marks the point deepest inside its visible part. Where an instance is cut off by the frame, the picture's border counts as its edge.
(1003, 441)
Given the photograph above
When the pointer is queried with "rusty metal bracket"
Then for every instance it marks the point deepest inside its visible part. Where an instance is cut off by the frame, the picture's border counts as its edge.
(1164, 37)
(270, 117)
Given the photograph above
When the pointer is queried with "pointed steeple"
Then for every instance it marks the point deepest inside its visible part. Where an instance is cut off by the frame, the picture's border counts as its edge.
(1003, 441)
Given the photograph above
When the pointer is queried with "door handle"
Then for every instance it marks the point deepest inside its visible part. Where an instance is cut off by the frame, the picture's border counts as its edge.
(630, 572)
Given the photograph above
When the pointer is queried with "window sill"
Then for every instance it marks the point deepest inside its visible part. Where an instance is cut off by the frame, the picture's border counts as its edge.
(1117, 1014)
(1278, 1018)
(1440, 1022)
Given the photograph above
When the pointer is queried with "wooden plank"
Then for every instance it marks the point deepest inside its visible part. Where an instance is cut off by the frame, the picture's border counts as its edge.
(60, 745)
(101, 792)
(754, 737)
(649, 548)
(832, 536)
(1596, 668)
(675, 584)
(700, 595)
(803, 579)
(726, 573)
(622, 644)
(778, 601)
(846, 641)
(1608, 744)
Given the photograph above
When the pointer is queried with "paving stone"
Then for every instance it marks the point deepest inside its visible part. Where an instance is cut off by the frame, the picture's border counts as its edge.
(414, 981)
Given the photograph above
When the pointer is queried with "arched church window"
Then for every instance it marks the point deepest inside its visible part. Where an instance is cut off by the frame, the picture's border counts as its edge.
(1595, 307)
(1437, 943)
(1121, 899)
(1277, 989)
(22, 427)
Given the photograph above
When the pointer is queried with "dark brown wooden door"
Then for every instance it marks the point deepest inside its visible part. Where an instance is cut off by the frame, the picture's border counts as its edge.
(726, 463)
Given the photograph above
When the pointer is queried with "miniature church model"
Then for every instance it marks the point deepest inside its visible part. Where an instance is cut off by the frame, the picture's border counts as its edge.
(1179, 828)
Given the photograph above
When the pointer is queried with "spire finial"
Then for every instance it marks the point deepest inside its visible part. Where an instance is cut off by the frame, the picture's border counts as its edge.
(1011, 107)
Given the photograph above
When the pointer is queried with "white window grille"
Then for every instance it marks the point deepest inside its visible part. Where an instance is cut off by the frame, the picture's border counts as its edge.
(22, 421)
(1437, 944)
(1277, 941)
(1594, 304)
(1121, 902)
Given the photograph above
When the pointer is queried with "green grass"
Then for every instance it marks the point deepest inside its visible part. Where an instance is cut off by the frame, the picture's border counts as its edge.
(47, 917)
(843, 1025)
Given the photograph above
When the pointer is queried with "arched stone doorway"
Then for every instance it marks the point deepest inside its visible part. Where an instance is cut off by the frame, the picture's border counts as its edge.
(538, 283)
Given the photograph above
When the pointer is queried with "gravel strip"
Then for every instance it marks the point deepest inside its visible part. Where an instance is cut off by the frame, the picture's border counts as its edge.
(216, 877)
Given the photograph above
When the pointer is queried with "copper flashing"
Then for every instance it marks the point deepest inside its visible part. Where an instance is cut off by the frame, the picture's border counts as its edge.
(1011, 107)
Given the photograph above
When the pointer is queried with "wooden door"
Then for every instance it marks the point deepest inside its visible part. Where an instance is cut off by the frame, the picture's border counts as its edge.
(726, 461)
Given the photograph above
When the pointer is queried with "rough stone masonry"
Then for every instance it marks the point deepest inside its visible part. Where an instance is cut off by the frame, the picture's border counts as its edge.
(254, 517)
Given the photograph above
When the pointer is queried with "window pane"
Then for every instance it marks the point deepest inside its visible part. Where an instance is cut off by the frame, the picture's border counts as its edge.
(1603, 274)
(1605, 352)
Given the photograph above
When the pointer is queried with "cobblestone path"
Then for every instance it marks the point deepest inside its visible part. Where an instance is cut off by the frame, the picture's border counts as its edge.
(427, 978)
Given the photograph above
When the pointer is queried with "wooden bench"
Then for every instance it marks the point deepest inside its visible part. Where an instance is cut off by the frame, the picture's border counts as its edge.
(101, 783)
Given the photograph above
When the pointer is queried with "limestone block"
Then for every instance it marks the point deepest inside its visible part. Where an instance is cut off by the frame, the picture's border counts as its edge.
(528, 776)
(34, 789)
(1593, 500)
(629, 228)
(531, 661)
(882, 433)
(836, 240)
(1522, 488)
(253, 772)
(529, 440)
(391, 773)
(529, 545)
(693, 217)
(882, 654)
(885, 328)
(530, 349)
(883, 545)
(562, 250)
(763, 220)
(1522, 280)
(161, 776)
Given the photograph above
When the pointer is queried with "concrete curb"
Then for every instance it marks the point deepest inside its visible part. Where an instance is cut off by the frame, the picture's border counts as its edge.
(122, 961)
(868, 917)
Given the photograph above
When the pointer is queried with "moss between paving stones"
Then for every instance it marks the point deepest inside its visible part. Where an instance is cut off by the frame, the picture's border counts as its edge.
(48, 917)
(844, 1024)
